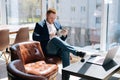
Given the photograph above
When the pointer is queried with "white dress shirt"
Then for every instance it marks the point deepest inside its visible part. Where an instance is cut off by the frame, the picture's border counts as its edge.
(51, 28)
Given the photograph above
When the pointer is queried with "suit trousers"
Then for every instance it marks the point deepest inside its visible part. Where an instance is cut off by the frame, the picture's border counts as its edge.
(57, 46)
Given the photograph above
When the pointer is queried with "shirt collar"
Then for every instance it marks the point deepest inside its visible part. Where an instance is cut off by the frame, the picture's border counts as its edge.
(48, 23)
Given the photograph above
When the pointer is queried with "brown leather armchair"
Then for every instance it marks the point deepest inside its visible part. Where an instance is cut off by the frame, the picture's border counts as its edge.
(48, 59)
(16, 71)
(32, 62)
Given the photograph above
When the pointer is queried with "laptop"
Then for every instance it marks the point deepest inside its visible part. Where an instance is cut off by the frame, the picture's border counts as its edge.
(100, 60)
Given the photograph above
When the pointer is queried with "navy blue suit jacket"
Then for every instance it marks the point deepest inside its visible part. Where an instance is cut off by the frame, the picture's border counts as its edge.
(41, 33)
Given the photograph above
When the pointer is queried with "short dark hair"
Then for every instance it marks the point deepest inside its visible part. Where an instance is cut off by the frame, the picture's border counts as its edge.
(51, 10)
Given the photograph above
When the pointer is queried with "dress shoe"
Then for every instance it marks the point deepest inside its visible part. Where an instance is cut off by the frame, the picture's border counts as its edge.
(80, 54)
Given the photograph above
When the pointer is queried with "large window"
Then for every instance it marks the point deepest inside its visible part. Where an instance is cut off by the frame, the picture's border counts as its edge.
(83, 20)
(95, 23)
(113, 34)
(23, 11)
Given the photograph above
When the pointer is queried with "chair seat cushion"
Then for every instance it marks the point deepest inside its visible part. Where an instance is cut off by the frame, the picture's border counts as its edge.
(41, 68)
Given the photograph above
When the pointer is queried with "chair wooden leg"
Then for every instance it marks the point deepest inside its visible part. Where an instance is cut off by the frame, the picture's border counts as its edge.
(6, 59)
(53, 78)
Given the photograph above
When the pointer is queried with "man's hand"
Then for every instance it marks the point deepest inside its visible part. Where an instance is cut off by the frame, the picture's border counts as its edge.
(64, 32)
(52, 35)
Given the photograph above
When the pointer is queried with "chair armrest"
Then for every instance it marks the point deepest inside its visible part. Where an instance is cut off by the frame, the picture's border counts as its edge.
(13, 70)
(13, 50)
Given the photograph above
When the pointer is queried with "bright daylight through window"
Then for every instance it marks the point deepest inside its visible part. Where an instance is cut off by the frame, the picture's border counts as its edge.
(90, 23)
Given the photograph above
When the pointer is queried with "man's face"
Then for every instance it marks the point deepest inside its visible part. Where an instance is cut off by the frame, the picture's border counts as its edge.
(51, 17)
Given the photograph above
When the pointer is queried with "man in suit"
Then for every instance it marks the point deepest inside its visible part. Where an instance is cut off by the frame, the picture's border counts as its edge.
(46, 33)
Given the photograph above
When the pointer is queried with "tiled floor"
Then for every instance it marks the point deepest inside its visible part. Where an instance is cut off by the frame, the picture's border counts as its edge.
(60, 75)
(74, 59)
(3, 72)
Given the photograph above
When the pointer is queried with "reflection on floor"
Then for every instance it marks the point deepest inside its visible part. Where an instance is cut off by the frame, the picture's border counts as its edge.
(74, 59)
(59, 76)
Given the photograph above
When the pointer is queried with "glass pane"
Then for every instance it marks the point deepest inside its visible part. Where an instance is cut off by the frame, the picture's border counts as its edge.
(23, 11)
(113, 23)
(81, 17)
(83, 20)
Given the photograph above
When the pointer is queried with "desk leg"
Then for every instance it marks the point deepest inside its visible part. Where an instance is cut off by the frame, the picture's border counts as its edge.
(65, 75)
